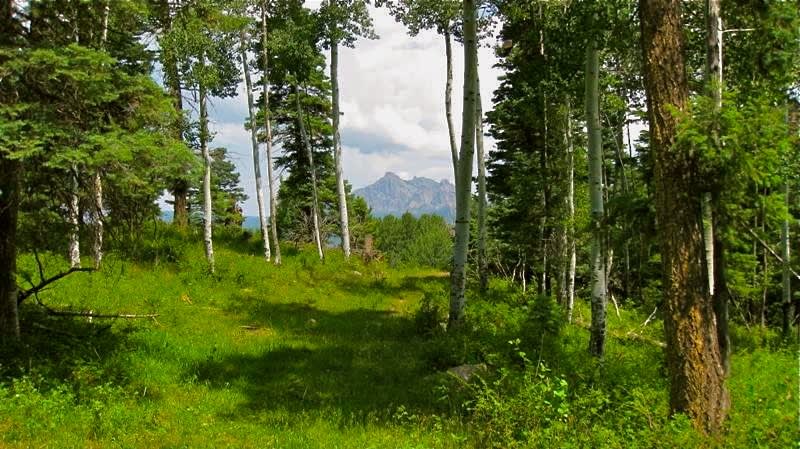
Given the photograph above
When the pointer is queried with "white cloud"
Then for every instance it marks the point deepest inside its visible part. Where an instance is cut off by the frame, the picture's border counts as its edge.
(392, 93)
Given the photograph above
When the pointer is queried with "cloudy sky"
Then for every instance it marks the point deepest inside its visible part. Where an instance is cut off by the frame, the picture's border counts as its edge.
(392, 94)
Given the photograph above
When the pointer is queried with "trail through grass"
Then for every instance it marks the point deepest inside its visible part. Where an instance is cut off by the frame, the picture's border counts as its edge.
(312, 355)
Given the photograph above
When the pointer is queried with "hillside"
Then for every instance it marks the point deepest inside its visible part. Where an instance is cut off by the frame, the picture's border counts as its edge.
(392, 195)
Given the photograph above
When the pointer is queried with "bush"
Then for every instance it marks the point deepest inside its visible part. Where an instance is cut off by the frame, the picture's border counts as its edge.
(409, 241)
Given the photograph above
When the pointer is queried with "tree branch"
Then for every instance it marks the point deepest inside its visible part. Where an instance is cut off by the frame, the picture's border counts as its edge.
(771, 251)
(24, 294)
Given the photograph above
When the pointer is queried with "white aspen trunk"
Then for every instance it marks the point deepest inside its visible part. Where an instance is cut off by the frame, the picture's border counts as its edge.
(313, 170)
(483, 266)
(74, 250)
(571, 206)
(207, 211)
(599, 304)
(788, 312)
(464, 172)
(337, 153)
(448, 104)
(714, 80)
(262, 216)
(708, 237)
(97, 182)
(97, 218)
(273, 203)
(714, 251)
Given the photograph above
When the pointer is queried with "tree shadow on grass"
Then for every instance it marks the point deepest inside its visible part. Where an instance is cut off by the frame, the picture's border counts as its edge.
(359, 363)
(65, 350)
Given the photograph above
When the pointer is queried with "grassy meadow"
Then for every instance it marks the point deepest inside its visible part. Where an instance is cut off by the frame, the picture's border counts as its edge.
(346, 355)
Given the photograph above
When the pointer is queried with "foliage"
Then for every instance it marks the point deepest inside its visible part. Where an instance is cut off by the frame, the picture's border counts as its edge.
(226, 193)
(408, 241)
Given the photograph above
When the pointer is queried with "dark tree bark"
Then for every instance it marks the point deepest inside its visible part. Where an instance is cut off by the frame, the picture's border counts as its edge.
(697, 378)
(9, 204)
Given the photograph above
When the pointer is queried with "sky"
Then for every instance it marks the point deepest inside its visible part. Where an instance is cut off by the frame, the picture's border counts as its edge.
(392, 97)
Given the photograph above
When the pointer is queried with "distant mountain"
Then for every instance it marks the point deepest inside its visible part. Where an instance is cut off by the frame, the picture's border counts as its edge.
(391, 195)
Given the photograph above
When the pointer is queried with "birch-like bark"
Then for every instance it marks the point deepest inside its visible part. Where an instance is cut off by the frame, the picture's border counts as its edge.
(598, 329)
(788, 310)
(715, 259)
(571, 207)
(313, 170)
(448, 103)
(464, 172)
(714, 81)
(73, 212)
(97, 181)
(483, 266)
(262, 216)
(337, 153)
(273, 203)
(207, 211)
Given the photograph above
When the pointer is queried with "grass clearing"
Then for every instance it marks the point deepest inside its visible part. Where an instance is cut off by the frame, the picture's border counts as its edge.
(312, 355)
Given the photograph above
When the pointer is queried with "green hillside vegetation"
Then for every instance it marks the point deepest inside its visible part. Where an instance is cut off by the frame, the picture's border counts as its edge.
(345, 355)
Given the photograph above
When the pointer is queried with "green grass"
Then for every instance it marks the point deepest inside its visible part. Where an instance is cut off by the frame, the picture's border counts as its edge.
(329, 355)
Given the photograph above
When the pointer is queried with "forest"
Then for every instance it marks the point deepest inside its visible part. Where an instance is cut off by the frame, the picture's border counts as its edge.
(619, 274)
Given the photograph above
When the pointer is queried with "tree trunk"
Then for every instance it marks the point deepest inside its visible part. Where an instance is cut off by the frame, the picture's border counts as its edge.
(448, 104)
(73, 211)
(207, 211)
(464, 167)
(337, 153)
(97, 219)
(598, 329)
(788, 312)
(697, 378)
(97, 181)
(720, 296)
(714, 82)
(9, 205)
(262, 216)
(483, 266)
(180, 186)
(571, 207)
(313, 170)
(273, 203)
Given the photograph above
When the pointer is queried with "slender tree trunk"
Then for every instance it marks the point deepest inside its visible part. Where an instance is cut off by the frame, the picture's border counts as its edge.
(180, 186)
(571, 207)
(448, 103)
(464, 172)
(697, 378)
(262, 216)
(483, 266)
(313, 170)
(720, 296)
(97, 219)
(9, 205)
(598, 329)
(207, 210)
(97, 181)
(337, 153)
(788, 312)
(714, 81)
(73, 214)
(273, 203)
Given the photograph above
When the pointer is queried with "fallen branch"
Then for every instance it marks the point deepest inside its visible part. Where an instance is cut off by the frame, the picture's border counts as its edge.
(771, 251)
(24, 294)
(629, 335)
(91, 314)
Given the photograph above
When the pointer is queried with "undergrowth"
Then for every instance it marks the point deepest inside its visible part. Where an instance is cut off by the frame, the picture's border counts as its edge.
(347, 355)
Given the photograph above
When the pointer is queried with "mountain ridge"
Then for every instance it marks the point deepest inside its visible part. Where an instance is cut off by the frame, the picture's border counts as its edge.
(392, 195)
